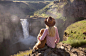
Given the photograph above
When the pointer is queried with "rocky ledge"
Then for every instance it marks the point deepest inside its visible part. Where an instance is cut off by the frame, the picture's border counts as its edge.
(60, 50)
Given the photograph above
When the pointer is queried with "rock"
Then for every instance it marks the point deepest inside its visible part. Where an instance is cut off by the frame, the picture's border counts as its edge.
(62, 47)
(73, 54)
(39, 54)
(68, 48)
(55, 2)
(85, 51)
(60, 50)
(53, 54)
(47, 52)
(32, 54)
(81, 49)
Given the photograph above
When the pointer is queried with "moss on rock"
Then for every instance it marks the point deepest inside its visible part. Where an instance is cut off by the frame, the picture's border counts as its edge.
(76, 30)
(75, 34)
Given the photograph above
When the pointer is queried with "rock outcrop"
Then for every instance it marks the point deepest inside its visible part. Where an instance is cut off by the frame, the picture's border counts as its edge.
(75, 31)
(60, 50)
(65, 8)
(75, 8)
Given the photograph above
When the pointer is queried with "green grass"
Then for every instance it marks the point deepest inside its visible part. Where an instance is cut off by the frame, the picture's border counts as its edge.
(74, 34)
(22, 53)
(76, 30)
(52, 9)
(75, 43)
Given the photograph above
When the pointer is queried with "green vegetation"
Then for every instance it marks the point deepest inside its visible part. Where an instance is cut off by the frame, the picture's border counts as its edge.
(74, 34)
(75, 43)
(76, 30)
(23, 53)
(52, 9)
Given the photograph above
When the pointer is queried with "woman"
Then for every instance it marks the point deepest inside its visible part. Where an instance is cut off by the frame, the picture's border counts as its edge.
(51, 33)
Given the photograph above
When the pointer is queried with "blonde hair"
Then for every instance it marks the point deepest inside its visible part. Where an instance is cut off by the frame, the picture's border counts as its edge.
(51, 31)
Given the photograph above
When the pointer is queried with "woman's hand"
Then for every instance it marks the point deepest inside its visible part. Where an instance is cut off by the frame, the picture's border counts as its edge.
(58, 40)
(39, 39)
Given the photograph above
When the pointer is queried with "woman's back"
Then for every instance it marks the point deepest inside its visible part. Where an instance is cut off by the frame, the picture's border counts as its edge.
(51, 32)
(50, 41)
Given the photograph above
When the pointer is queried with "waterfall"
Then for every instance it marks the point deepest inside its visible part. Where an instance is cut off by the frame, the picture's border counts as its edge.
(28, 40)
(25, 27)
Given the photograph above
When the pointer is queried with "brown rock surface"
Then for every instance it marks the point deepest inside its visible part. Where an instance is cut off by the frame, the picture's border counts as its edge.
(60, 50)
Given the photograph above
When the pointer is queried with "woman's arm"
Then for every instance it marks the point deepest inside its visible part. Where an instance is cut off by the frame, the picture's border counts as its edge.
(44, 35)
(57, 36)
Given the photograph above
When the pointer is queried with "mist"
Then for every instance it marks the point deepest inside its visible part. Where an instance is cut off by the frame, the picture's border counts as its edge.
(11, 32)
(12, 39)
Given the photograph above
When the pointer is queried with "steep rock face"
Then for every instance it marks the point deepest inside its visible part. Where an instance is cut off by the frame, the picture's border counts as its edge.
(75, 9)
(10, 32)
(68, 10)
(9, 27)
(37, 23)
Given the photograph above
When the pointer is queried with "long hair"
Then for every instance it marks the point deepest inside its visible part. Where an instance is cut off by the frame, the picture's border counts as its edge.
(51, 31)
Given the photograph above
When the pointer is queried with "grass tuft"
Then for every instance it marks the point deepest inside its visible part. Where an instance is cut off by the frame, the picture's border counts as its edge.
(23, 53)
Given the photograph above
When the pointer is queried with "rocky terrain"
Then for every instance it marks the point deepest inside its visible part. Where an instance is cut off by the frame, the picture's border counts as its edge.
(60, 50)
(65, 12)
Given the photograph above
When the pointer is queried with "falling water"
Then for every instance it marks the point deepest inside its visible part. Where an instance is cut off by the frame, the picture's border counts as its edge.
(25, 24)
(28, 39)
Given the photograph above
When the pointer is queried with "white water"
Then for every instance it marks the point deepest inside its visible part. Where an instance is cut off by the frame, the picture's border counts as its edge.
(28, 39)
(25, 27)
(23, 43)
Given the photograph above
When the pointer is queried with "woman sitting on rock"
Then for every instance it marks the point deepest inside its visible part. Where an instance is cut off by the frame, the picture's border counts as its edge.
(51, 33)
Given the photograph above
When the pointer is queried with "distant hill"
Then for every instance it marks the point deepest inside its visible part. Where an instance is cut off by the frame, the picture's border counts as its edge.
(34, 0)
(69, 11)
(20, 9)
(64, 9)
(29, 0)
